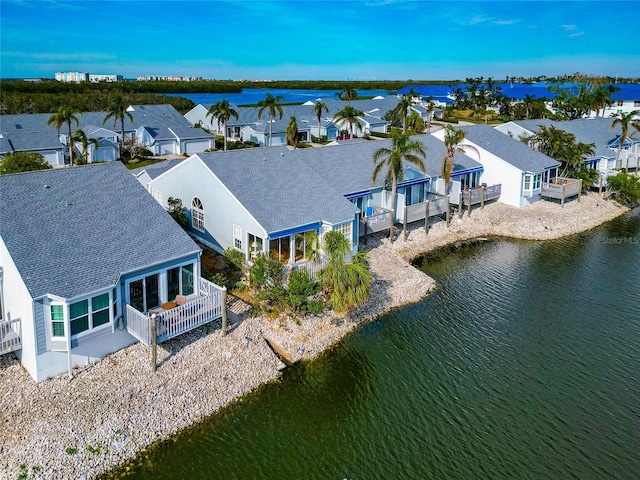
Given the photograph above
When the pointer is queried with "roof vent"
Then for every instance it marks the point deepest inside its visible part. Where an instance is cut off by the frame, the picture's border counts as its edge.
(46, 186)
(282, 154)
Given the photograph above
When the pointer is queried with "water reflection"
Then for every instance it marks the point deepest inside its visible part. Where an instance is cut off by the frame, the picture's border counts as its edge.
(523, 364)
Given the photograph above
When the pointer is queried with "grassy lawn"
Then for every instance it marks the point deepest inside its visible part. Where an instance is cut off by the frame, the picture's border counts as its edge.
(142, 162)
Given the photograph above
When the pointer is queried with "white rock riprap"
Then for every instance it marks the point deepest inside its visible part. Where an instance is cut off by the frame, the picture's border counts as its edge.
(114, 408)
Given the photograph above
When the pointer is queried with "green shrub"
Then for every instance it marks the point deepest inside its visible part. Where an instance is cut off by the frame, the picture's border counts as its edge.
(266, 270)
(315, 307)
(301, 287)
(234, 257)
(624, 188)
(218, 279)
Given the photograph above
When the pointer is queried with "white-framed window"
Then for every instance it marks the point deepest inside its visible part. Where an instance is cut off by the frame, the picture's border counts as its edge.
(237, 237)
(180, 281)
(255, 244)
(344, 229)
(197, 214)
(57, 320)
(532, 183)
(88, 314)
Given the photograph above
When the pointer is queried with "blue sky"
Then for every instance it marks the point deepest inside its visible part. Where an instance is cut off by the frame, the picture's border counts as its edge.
(315, 39)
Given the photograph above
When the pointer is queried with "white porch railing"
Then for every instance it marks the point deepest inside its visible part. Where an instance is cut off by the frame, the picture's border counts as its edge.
(481, 195)
(10, 335)
(205, 308)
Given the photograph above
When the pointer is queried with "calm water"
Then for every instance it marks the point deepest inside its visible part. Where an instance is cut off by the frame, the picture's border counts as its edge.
(525, 363)
(251, 96)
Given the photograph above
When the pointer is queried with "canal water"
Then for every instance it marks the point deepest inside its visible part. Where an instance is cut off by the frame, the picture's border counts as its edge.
(524, 364)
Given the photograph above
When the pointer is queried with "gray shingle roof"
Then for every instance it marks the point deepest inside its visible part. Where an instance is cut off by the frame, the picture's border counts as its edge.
(586, 130)
(279, 190)
(91, 224)
(509, 149)
(148, 115)
(349, 167)
(30, 142)
(309, 185)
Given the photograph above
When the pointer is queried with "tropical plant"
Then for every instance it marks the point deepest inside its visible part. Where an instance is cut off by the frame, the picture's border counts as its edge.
(562, 146)
(223, 111)
(402, 111)
(402, 149)
(81, 137)
(301, 286)
(349, 115)
(64, 116)
(292, 132)
(117, 111)
(17, 162)
(347, 93)
(318, 109)
(624, 120)
(177, 212)
(271, 105)
(453, 144)
(346, 284)
(624, 188)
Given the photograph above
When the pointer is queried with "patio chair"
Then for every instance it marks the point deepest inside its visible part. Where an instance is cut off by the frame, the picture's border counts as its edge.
(180, 299)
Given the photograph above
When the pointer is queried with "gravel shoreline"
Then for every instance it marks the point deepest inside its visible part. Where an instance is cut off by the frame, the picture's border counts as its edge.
(114, 408)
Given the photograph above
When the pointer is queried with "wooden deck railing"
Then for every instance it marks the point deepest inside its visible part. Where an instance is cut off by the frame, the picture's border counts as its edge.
(561, 188)
(10, 335)
(181, 319)
(481, 195)
(378, 219)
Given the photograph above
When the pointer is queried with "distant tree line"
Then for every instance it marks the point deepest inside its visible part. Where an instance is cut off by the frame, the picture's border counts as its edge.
(89, 101)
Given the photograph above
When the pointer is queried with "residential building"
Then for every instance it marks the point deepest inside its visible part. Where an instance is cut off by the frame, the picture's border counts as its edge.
(94, 255)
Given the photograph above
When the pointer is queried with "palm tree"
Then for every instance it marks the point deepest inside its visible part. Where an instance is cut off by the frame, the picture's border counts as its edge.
(348, 93)
(349, 115)
(222, 111)
(65, 115)
(453, 143)
(80, 136)
(527, 101)
(292, 132)
(318, 108)
(401, 111)
(402, 148)
(270, 103)
(118, 111)
(347, 284)
(430, 108)
(624, 120)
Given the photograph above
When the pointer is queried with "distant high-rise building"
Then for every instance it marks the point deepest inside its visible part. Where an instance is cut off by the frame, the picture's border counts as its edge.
(72, 77)
(168, 78)
(106, 78)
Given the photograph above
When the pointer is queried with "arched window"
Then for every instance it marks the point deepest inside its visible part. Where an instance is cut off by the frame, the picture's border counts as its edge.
(197, 214)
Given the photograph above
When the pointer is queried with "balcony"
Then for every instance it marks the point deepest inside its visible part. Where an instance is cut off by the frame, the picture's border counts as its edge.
(376, 220)
(561, 188)
(170, 323)
(10, 336)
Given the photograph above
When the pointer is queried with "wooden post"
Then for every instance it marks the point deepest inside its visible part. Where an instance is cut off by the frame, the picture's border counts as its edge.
(448, 210)
(426, 218)
(482, 193)
(224, 311)
(154, 341)
(600, 184)
(580, 191)
(562, 201)
(404, 224)
(469, 206)
(460, 204)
